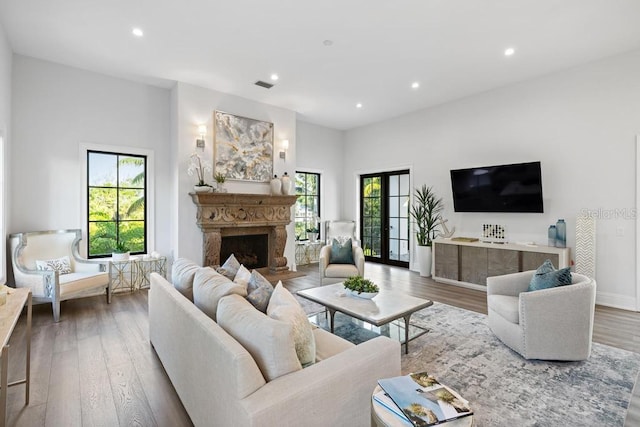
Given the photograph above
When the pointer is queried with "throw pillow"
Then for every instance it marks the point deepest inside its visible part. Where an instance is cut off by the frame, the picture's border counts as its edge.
(209, 287)
(259, 291)
(62, 265)
(182, 273)
(341, 253)
(269, 341)
(230, 267)
(242, 276)
(546, 276)
(284, 306)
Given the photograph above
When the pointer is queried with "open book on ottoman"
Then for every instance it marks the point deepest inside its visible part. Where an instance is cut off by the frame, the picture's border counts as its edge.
(422, 399)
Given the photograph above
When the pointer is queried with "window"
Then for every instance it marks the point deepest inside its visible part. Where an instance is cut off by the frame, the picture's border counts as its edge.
(307, 214)
(116, 202)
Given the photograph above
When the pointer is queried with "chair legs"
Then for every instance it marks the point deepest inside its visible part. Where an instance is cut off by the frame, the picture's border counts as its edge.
(56, 310)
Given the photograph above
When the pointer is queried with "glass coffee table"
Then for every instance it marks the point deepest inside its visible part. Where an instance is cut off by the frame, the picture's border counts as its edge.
(384, 308)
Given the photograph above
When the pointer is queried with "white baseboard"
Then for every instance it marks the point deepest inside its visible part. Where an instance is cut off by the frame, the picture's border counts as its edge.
(616, 301)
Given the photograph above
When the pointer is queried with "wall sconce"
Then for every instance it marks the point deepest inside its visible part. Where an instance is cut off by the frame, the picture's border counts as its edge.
(202, 131)
(284, 146)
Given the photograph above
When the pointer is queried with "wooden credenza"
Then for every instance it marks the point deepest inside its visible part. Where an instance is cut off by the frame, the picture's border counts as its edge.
(469, 264)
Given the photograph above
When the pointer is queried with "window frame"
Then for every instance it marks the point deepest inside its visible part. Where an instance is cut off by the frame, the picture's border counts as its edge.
(317, 195)
(149, 192)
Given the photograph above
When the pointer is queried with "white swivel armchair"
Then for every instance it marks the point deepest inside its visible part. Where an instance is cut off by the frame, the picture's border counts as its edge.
(548, 324)
(84, 278)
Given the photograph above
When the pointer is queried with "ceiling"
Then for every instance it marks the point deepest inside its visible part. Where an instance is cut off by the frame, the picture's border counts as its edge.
(453, 48)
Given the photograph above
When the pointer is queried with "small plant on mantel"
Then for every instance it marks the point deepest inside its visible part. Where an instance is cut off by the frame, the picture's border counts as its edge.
(359, 284)
(220, 179)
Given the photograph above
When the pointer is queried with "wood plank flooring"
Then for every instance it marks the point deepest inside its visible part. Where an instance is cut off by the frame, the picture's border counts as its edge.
(96, 366)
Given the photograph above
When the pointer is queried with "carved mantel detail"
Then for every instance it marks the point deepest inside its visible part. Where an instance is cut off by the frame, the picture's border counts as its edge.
(235, 214)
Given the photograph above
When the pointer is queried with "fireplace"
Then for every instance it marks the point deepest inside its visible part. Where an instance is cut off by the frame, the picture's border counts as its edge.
(223, 215)
(252, 251)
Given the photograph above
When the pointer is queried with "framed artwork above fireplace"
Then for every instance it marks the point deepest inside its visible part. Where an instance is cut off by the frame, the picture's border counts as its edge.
(243, 147)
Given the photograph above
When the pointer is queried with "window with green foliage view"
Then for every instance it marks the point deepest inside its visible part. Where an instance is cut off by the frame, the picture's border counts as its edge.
(307, 211)
(116, 202)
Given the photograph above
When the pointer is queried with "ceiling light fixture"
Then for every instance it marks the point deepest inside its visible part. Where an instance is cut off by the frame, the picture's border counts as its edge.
(274, 77)
(415, 85)
(510, 51)
(359, 105)
(137, 32)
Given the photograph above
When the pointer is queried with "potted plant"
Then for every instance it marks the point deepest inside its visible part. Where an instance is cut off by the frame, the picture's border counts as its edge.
(120, 252)
(220, 179)
(199, 168)
(426, 212)
(312, 234)
(361, 287)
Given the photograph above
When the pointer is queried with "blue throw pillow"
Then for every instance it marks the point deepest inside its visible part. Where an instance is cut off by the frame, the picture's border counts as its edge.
(547, 276)
(341, 253)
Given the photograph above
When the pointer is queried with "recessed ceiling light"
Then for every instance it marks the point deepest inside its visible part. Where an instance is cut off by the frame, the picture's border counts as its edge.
(137, 32)
(415, 85)
(274, 76)
(358, 105)
(510, 51)
(327, 42)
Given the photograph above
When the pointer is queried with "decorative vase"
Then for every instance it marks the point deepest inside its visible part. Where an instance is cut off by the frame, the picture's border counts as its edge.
(221, 187)
(201, 188)
(424, 260)
(363, 295)
(286, 184)
(561, 234)
(552, 233)
(276, 185)
(313, 237)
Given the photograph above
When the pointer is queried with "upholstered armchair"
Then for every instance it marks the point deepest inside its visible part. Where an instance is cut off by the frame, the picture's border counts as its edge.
(340, 229)
(331, 272)
(49, 263)
(547, 324)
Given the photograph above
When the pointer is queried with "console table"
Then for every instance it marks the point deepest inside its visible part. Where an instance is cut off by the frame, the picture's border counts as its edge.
(468, 264)
(134, 273)
(308, 252)
(17, 299)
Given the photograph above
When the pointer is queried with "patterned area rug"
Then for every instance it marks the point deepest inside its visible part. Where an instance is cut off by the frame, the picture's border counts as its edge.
(506, 390)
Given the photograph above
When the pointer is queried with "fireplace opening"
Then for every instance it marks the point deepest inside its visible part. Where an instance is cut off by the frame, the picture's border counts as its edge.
(252, 251)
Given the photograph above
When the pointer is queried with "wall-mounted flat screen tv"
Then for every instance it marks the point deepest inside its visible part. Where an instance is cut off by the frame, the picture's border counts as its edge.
(504, 188)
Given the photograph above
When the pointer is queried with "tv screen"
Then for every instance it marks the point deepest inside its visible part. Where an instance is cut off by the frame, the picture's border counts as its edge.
(504, 188)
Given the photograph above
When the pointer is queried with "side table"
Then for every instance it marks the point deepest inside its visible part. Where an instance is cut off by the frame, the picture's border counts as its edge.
(17, 299)
(133, 274)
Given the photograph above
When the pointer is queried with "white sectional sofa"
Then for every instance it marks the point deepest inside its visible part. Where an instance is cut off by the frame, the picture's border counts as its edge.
(220, 384)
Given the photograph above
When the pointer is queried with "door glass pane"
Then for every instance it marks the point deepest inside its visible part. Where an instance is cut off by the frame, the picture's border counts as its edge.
(394, 209)
(404, 229)
(394, 228)
(394, 185)
(394, 250)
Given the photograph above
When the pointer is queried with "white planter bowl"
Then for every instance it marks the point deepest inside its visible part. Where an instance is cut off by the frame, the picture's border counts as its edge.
(363, 295)
(119, 257)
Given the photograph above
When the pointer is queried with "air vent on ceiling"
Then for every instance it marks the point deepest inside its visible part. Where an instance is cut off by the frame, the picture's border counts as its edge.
(263, 84)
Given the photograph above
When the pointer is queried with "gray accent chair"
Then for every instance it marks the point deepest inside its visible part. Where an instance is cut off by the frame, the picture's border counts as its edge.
(549, 324)
(86, 278)
(331, 273)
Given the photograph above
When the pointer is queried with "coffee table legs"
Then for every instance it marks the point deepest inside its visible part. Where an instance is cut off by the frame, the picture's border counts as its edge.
(406, 333)
(332, 314)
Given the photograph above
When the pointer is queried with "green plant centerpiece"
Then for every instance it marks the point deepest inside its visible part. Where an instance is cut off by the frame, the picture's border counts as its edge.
(220, 179)
(360, 286)
(426, 212)
(120, 252)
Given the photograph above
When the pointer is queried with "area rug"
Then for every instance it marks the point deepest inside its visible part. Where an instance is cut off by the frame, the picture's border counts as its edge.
(503, 388)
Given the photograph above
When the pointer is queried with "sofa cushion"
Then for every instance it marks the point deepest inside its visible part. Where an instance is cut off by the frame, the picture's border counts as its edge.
(341, 253)
(546, 276)
(182, 273)
(259, 291)
(284, 306)
(230, 267)
(328, 344)
(209, 287)
(269, 341)
(62, 265)
(506, 306)
(242, 276)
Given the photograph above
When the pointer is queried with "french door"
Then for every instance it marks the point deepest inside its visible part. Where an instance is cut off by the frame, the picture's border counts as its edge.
(384, 217)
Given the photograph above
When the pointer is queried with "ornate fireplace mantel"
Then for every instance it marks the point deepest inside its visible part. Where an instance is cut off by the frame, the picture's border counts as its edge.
(235, 214)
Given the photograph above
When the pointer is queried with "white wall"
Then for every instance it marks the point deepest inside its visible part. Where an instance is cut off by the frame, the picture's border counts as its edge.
(321, 150)
(55, 109)
(195, 105)
(581, 124)
(6, 61)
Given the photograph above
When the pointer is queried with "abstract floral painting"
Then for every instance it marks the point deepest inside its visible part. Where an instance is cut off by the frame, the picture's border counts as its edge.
(243, 147)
